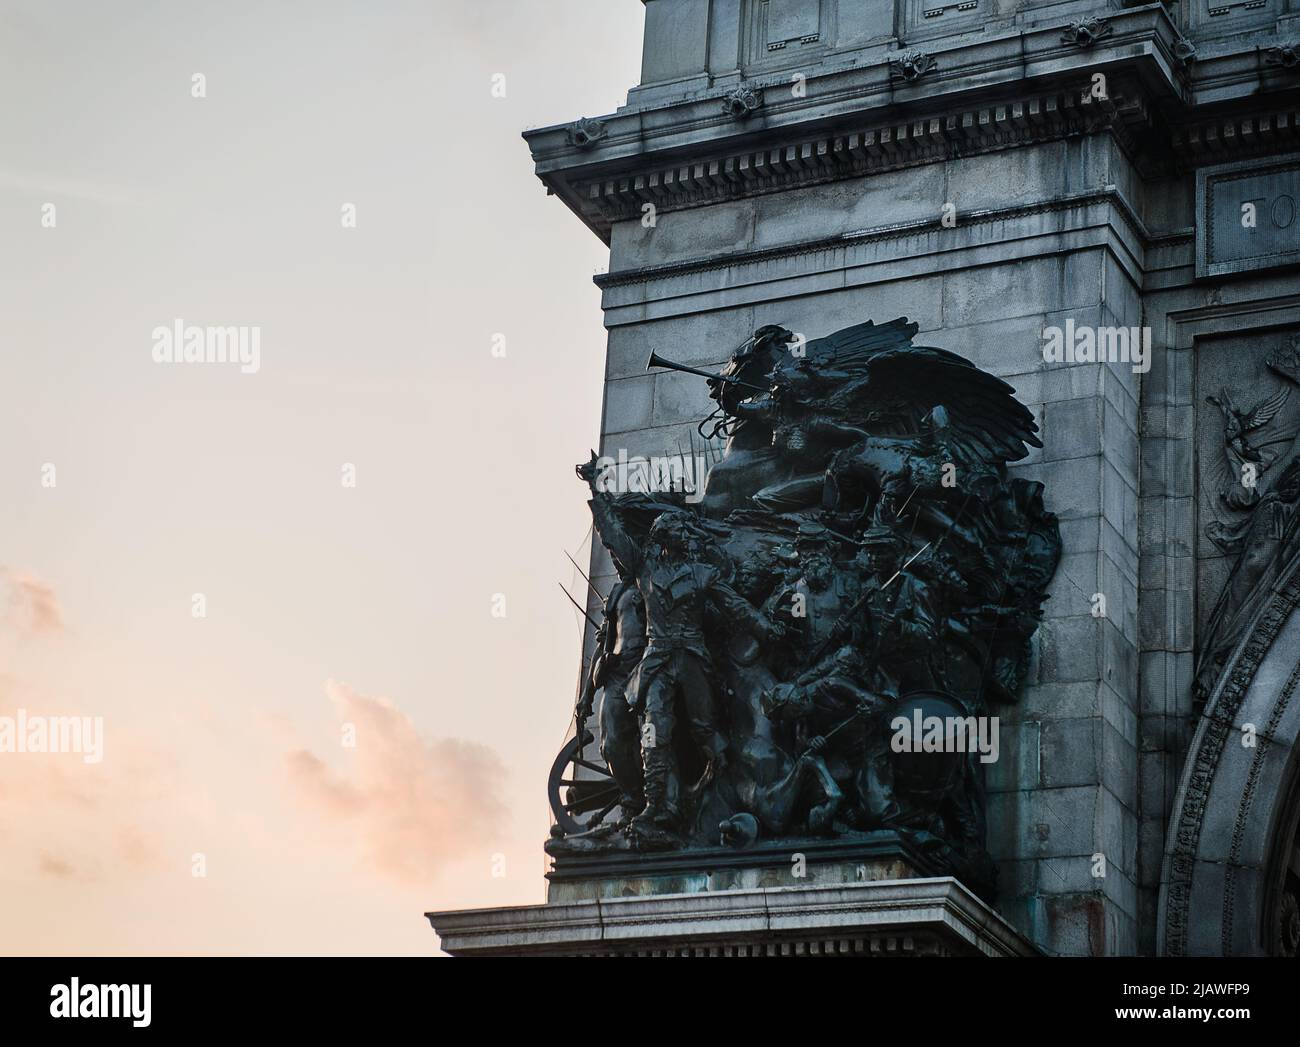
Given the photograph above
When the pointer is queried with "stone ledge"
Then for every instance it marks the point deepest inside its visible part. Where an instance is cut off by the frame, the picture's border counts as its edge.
(990, 93)
(732, 260)
(852, 858)
(935, 916)
(971, 67)
(778, 164)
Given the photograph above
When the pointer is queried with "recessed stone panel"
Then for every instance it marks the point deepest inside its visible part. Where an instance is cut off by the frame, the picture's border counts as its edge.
(779, 31)
(932, 17)
(789, 21)
(1248, 216)
(1222, 17)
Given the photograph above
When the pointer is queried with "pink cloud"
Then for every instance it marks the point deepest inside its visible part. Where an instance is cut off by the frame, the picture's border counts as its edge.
(412, 805)
(33, 604)
(52, 865)
(65, 819)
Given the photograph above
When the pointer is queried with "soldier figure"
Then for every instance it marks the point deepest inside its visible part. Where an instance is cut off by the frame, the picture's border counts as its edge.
(677, 586)
(620, 645)
(903, 609)
(839, 724)
(818, 598)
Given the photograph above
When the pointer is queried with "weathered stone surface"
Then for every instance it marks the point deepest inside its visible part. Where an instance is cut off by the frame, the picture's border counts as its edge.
(829, 206)
(921, 917)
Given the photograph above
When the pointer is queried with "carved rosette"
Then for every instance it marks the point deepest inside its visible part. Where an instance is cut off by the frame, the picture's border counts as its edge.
(1285, 55)
(585, 133)
(910, 66)
(1184, 51)
(1084, 32)
(740, 103)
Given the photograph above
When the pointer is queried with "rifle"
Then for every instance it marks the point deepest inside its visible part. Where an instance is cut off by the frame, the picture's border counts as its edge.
(594, 623)
(842, 624)
(845, 621)
(587, 687)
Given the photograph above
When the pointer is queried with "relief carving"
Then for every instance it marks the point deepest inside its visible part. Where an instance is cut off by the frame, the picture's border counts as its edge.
(1258, 528)
(912, 65)
(741, 102)
(1084, 32)
(584, 133)
(1285, 55)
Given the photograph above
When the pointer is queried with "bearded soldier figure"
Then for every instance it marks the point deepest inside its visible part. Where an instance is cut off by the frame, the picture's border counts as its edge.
(678, 585)
(622, 641)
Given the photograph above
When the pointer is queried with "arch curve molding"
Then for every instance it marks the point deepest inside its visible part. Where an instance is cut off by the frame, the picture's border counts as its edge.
(1233, 823)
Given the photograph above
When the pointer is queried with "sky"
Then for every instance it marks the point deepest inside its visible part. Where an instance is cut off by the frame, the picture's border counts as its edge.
(313, 602)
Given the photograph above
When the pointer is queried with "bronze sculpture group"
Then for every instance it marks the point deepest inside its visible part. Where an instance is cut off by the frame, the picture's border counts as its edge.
(860, 553)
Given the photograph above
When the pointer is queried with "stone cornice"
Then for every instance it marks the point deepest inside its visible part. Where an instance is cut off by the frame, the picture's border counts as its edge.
(857, 118)
(831, 157)
(966, 219)
(1271, 128)
(775, 919)
(972, 67)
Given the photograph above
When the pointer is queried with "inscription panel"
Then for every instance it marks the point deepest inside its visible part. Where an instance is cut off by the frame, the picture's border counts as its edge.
(785, 31)
(791, 21)
(1247, 216)
(1221, 17)
(939, 17)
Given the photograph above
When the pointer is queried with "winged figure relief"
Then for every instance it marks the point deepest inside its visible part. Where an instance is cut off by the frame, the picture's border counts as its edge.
(1252, 443)
(864, 410)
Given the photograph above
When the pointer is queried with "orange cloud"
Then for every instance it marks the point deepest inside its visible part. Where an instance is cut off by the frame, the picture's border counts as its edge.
(64, 819)
(33, 604)
(50, 865)
(412, 805)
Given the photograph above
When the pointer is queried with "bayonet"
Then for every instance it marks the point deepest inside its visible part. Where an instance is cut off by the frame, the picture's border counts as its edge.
(578, 606)
(584, 576)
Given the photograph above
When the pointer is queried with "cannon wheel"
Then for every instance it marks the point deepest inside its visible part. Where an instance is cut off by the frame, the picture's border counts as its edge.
(580, 804)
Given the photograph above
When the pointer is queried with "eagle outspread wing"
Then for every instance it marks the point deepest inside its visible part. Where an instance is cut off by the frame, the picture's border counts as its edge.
(864, 367)
(1265, 411)
(847, 353)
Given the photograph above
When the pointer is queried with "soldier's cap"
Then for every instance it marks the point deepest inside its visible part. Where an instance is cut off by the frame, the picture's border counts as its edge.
(811, 533)
(875, 537)
(673, 520)
(777, 697)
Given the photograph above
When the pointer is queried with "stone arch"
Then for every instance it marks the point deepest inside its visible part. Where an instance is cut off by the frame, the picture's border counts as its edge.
(1232, 829)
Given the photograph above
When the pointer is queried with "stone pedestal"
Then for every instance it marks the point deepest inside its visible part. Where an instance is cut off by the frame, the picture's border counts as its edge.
(846, 859)
(933, 916)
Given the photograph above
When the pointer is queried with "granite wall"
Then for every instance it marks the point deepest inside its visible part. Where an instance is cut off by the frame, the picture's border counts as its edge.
(990, 200)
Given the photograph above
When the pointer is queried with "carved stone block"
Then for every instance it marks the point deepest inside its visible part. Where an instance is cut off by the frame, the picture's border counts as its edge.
(936, 17)
(778, 31)
(1223, 17)
(1247, 216)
